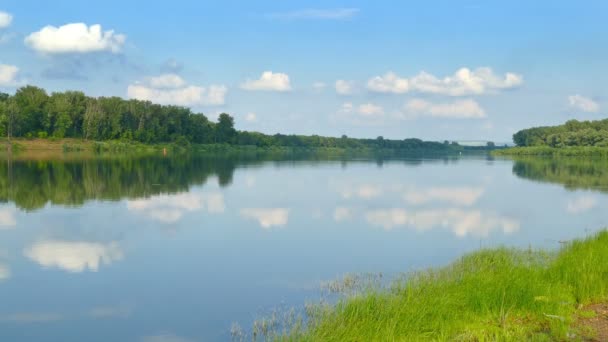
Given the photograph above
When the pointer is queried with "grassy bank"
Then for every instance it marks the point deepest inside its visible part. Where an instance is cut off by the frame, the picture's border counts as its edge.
(490, 295)
(580, 151)
(60, 148)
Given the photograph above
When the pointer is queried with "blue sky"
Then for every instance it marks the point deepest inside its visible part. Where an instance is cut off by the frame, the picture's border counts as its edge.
(429, 69)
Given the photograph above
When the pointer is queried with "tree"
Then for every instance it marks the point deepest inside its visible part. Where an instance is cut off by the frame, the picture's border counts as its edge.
(31, 102)
(225, 128)
(491, 144)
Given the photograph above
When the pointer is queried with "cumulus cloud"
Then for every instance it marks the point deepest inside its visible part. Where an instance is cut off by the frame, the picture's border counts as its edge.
(581, 204)
(75, 38)
(73, 256)
(584, 104)
(364, 114)
(321, 14)
(370, 109)
(251, 117)
(343, 214)
(389, 83)
(167, 81)
(7, 218)
(5, 19)
(344, 87)
(460, 109)
(8, 75)
(459, 222)
(171, 89)
(171, 208)
(267, 217)
(463, 82)
(465, 196)
(269, 81)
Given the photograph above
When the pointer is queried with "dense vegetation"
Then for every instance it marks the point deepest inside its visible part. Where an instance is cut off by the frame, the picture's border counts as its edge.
(572, 173)
(32, 113)
(572, 133)
(491, 295)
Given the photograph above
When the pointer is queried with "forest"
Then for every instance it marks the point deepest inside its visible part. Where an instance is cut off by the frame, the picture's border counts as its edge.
(32, 113)
(572, 133)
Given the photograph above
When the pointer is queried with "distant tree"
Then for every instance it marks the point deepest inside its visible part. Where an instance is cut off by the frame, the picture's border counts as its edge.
(491, 144)
(225, 128)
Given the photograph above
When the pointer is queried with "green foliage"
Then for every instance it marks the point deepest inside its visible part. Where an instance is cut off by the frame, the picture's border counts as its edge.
(31, 112)
(572, 133)
(491, 295)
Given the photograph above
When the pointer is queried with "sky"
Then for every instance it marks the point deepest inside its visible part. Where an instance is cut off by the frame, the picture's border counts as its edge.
(435, 70)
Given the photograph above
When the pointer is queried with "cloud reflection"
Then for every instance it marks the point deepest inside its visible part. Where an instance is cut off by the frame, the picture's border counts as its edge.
(581, 204)
(460, 222)
(7, 218)
(267, 217)
(171, 208)
(5, 272)
(465, 196)
(73, 256)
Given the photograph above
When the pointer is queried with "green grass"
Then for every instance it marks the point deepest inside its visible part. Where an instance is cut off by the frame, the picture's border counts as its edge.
(553, 151)
(491, 295)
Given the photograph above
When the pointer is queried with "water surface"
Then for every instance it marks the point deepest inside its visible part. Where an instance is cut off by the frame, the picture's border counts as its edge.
(177, 249)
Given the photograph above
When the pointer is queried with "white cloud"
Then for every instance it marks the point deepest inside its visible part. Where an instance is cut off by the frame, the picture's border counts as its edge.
(5, 272)
(363, 191)
(344, 87)
(171, 89)
(584, 104)
(251, 117)
(167, 81)
(319, 86)
(389, 83)
(75, 38)
(323, 14)
(461, 109)
(463, 82)
(171, 208)
(459, 222)
(73, 256)
(269, 81)
(581, 204)
(343, 214)
(267, 217)
(465, 196)
(370, 109)
(362, 115)
(8, 75)
(5, 19)
(7, 218)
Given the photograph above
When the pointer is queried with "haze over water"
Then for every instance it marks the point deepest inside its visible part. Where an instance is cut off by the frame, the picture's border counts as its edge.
(177, 249)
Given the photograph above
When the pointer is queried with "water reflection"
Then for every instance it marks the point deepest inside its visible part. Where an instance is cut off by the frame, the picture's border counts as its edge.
(92, 224)
(572, 173)
(460, 222)
(171, 208)
(73, 256)
(267, 217)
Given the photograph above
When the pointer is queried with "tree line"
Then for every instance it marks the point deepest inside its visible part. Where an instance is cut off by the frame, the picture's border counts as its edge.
(572, 133)
(32, 113)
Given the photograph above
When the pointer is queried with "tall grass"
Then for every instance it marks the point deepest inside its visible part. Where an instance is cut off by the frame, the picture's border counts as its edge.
(491, 295)
(573, 151)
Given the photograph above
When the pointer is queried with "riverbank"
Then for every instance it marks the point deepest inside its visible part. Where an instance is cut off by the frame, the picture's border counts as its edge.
(491, 295)
(70, 148)
(575, 151)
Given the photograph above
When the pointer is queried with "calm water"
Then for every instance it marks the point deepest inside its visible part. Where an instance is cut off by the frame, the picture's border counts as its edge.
(161, 249)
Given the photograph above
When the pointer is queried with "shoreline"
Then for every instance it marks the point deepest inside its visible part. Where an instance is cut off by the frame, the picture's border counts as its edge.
(492, 294)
